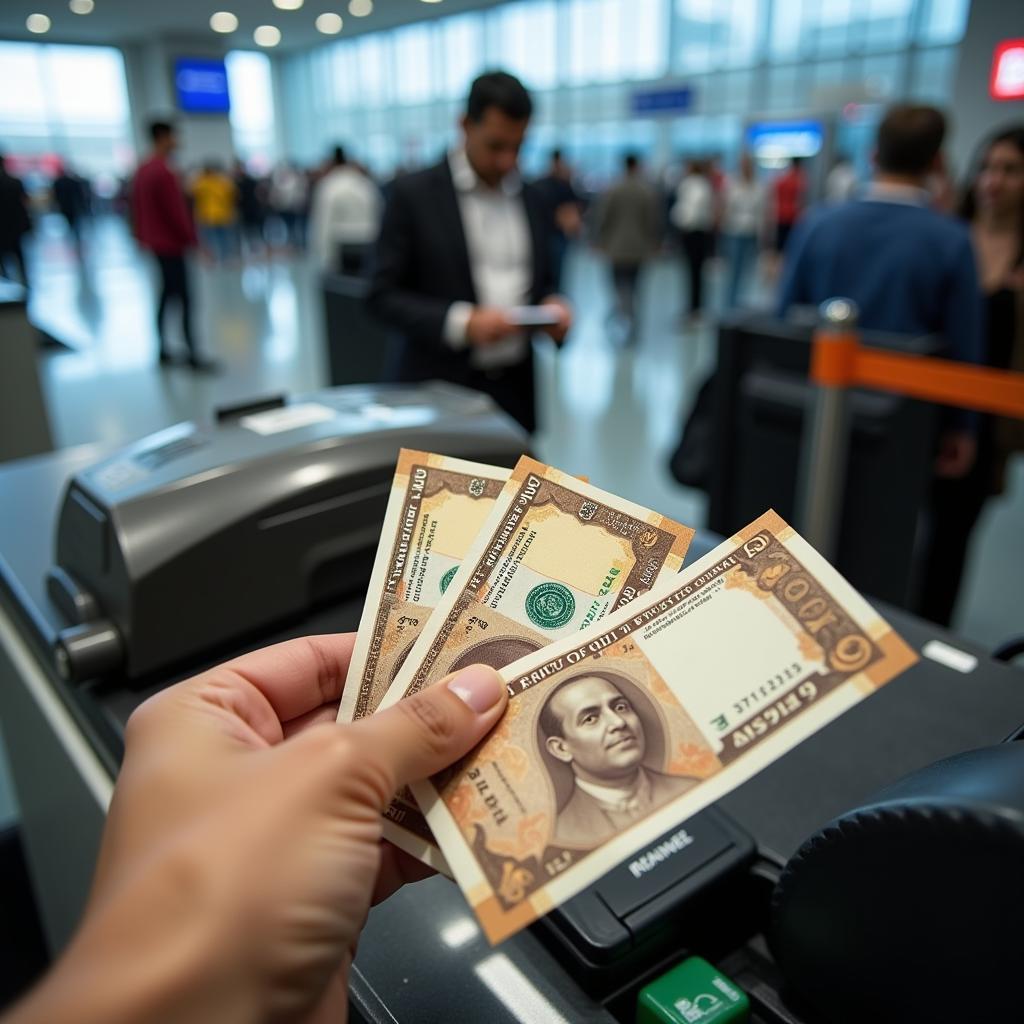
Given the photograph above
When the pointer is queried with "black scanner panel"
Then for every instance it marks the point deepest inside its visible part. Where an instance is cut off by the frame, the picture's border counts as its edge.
(643, 903)
(200, 535)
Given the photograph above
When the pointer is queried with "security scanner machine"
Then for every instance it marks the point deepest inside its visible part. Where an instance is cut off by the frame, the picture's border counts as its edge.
(359, 349)
(848, 881)
(758, 412)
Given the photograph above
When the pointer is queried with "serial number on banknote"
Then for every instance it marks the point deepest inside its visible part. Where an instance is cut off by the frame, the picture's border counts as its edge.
(756, 697)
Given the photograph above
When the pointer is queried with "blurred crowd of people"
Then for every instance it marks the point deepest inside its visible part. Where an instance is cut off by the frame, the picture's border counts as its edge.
(241, 213)
(448, 255)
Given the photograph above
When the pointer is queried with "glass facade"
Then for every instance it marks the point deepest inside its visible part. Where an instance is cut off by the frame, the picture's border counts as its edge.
(63, 101)
(250, 85)
(395, 97)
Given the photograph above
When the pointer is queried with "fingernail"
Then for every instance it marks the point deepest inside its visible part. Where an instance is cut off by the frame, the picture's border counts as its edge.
(479, 686)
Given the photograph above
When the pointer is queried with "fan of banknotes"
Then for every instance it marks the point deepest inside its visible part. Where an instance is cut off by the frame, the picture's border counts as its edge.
(639, 692)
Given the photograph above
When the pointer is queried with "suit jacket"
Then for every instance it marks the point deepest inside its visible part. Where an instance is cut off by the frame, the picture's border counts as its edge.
(421, 267)
(582, 823)
(629, 221)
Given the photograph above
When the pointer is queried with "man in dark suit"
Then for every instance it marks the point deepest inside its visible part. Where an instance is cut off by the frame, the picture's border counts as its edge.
(461, 245)
(589, 724)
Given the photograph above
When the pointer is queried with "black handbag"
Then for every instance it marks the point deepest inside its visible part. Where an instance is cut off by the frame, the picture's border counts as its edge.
(692, 459)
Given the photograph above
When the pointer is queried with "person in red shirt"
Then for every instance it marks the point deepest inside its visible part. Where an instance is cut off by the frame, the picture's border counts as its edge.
(790, 197)
(163, 225)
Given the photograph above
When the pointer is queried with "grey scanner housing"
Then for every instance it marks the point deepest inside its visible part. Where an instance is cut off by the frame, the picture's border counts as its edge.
(200, 534)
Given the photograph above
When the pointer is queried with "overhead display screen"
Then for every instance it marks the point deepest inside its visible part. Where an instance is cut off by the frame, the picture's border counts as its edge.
(784, 139)
(202, 85)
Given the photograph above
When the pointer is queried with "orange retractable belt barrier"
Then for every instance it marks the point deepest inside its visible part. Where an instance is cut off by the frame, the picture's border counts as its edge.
(840, 361)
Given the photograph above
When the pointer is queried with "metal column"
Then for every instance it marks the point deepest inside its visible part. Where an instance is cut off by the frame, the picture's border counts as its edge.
(826, 436)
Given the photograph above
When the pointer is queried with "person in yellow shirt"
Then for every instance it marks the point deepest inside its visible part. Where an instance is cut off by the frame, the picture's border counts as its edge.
(215, 197)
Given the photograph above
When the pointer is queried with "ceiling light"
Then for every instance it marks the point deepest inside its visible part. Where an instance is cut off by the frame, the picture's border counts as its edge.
(431, 1)
(329, 24)
(81, 6)
(37, 23)
(267, 35)
(223, 21)
(360, 8)
(288, 5)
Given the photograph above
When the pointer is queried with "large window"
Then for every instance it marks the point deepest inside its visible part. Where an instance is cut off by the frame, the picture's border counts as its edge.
(414, 68)
(462, 53)
(68, 102)
(252, 106)
(717, 33)
(616, 40)
(394, 96)
(373, 64)
(527, 38)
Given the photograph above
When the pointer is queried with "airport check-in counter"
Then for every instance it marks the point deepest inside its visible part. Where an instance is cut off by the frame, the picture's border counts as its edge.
(81, 647)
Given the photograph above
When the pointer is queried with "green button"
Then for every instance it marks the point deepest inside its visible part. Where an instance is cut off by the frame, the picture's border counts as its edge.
(693, 992)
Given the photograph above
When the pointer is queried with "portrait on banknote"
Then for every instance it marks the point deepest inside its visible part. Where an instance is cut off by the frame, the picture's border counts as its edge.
(604, 744)
(587, 752)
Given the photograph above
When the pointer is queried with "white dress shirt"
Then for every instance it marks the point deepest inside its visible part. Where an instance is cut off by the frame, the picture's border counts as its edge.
(500, 258)
(346, 209)
(629, 800)
(743, 213)
(694, 208)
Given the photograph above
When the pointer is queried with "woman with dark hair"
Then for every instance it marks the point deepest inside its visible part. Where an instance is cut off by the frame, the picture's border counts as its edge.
(993, 206)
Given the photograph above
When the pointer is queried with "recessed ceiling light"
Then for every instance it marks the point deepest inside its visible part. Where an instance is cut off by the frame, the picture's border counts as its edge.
(329, 24)
(360, 8)
(37, 23)
(288, 5)
(431, 1)
(267, 35)
(82, 6)
(223, 21)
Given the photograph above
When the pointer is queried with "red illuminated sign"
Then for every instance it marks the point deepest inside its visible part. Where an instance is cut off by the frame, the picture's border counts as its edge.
(1007, 79)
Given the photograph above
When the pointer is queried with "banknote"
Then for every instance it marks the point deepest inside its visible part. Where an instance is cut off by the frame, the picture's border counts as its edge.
(556, 556)
(618, 734)
(435, 510)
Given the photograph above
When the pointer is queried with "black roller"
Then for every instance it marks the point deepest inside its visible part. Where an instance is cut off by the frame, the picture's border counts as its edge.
(89, 651)
(910, 907)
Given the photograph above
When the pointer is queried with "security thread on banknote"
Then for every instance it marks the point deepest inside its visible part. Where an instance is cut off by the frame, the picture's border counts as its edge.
(618, 734)
(555, 556)
(435, 509)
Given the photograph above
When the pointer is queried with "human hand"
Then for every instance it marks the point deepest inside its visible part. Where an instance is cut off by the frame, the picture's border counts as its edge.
(487, 325)
(558, 331)
(243, 846)
(957, 451)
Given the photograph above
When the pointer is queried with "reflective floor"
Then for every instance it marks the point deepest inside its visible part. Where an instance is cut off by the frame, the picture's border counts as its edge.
(607, 410)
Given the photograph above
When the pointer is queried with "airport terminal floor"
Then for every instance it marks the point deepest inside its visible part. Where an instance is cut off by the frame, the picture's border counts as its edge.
(607, 410)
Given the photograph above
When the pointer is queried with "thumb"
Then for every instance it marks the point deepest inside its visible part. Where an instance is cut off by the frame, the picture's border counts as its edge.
(424, 733)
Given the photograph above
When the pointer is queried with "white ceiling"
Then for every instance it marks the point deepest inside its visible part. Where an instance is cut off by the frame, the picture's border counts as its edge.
(129, 21)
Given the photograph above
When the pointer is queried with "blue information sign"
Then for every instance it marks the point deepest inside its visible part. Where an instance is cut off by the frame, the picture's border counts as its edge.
(202, 85)
(783, 139)
(662, 101)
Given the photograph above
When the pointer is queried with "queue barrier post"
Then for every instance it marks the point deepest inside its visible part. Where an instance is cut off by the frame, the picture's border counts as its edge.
(838, 363)
(826, 431)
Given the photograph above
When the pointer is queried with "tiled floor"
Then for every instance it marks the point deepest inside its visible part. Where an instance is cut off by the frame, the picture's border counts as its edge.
(607, 411)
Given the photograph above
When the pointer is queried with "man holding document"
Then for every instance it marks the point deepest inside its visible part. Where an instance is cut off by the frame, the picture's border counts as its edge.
(462, 268)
